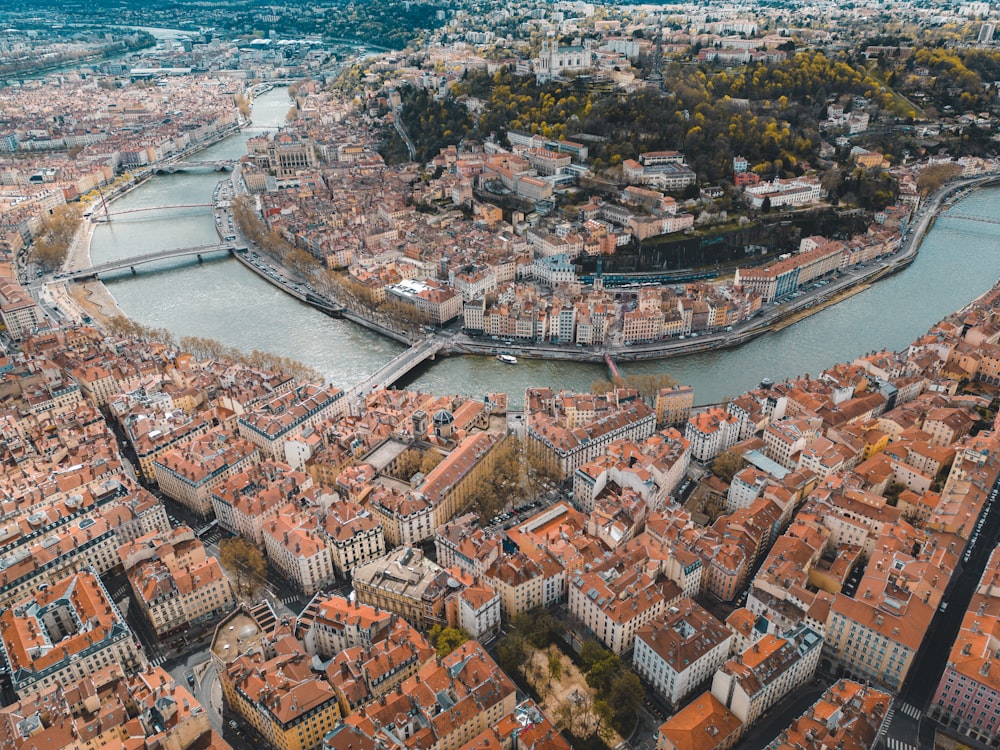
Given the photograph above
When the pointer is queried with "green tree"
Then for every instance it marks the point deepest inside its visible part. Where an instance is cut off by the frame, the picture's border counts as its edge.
(503, 485)
(245, 564)
(626, 695)
(933, 177)
(604, 715)
(537, 626)
(601, 386)
(555, 665)
(242, 105)
(407, 464)
(540, 470)
(602, 675)
(592, 652)
(512, 651)
(429, 461)
(727, 464)
(447, 639)
(648, 385)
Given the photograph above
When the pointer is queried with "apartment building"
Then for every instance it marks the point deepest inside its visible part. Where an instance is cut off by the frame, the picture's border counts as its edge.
(97, 382)
(245, 501)
(446, 704)
(151, 436)
(189, 474)
(147, 710)
(463, 544)
(876, 635)
(176, 584)
(666, 175)
(574, 429)
(65, 633)
(704, 724)
(296, 548)
(617, 599)
(766, 671)
(435, 299)
(273, 423)
(330, 624)
(474, 607)
(525, 582)
(406, 516)
(20, 313)
(448, 486)
(847, 714)
(710, 433)
(673, 405)
(794, 192)
(407, 583)
(361, 674)
(353, 535)
(653, 469)
(680, 649)
(276, 690)
(786, 438)
(967, 698)
(85, 542)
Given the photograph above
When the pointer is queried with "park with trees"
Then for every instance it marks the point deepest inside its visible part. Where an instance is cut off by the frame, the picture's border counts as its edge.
(517, 474)
(52, 241)
(592, 696)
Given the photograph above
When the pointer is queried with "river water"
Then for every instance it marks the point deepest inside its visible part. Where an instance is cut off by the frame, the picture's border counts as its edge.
(959, 260)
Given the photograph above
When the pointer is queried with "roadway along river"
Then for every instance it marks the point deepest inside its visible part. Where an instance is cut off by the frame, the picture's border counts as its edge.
(959, 260)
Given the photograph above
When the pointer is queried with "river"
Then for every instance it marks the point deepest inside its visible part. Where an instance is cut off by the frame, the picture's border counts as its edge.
(958, 261)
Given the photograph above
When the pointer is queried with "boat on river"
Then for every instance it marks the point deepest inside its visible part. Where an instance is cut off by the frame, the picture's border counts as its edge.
(507, 359)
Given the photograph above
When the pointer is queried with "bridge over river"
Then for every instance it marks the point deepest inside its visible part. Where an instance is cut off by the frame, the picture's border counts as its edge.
(219, 165)
(108, 215)
(93, 272)
(969, 217)
(399, 366)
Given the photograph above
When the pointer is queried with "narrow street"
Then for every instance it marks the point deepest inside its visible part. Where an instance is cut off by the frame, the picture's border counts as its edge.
(908, 727)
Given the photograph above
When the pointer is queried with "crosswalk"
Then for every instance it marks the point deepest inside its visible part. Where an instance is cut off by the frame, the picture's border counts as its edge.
(157, 661)
(912, 711)
(893, 744)
(290, 599)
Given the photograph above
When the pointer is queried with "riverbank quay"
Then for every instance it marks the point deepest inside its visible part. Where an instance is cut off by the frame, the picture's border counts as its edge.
(293, 286)
(92, 301)
(776, 317)
(767, 321)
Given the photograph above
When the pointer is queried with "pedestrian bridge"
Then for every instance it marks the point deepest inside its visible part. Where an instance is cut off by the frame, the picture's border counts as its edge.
(221, 165)
(108, 215)
(969, 217)
(94, 272)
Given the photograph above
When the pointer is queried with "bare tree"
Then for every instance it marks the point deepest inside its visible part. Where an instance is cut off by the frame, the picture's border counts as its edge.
(55, 236)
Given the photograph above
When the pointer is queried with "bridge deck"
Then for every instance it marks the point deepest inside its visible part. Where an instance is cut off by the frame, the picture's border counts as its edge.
(138, 260)
(400, 365)
(969, 217)
(155, 208)
(616, 374)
